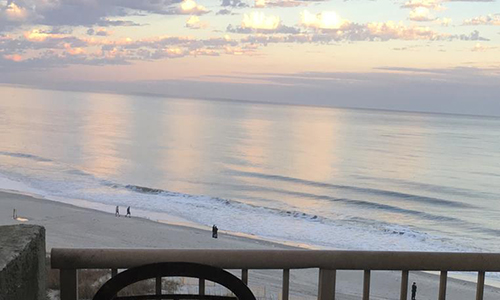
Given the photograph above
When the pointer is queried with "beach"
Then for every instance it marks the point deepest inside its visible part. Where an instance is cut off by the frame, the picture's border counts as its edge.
(71, 226)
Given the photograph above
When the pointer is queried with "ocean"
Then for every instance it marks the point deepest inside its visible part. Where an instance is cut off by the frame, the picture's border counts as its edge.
(324, 178)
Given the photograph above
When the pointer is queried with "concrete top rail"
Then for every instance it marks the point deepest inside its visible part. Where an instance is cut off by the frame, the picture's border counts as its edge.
(277, 259)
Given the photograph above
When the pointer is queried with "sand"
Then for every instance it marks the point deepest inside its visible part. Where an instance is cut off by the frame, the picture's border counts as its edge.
(70, 226)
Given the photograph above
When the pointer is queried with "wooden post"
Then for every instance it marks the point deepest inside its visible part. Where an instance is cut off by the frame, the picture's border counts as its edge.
(480, 285)
(69, 284)
(366, 285)
(201, 287)
(244, 276)
(442, 285)
(404, 286)
(326, 285)
(286, 284)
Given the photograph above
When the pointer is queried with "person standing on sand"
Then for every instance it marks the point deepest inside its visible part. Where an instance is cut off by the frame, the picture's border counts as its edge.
(128, 213)
(214, 231)
(413, 291)
(117, 212)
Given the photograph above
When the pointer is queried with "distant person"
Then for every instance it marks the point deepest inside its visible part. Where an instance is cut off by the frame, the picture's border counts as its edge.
(413, 291)
(14, 214)
(128, 213)
(117, 212)
(214, 231)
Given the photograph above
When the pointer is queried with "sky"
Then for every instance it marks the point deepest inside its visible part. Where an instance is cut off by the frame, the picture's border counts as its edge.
(423, 55)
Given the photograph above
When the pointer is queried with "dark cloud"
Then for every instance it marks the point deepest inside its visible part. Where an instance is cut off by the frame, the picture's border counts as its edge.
(98, 32)
(106, 23)
(234, 3)
(224, 12)
(473, 36)
(455, 90)
(79, 12)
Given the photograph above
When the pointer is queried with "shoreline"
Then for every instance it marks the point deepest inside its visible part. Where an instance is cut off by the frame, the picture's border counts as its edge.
(179, 225)
(156, 218)
(71, 226)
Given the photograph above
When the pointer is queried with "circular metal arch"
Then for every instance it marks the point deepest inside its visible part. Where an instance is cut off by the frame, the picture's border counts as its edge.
(173, 269)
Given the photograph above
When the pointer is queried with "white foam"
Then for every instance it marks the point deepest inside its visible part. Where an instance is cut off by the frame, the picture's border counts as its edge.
(15, 186)
(69, 185)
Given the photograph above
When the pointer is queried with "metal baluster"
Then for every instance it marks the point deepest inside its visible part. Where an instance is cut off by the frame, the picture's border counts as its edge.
(244, 276)
(404, 285)
(158, 285)
(442, 285)
(326, 285)
(69, 284)
(286, 284)
(201, 287)
(366, 285)
(480, 285)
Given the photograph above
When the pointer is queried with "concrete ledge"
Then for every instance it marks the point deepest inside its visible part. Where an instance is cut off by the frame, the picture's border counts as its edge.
(22, 262)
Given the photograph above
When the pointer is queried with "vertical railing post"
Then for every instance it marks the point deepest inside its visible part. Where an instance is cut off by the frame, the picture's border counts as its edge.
(366, 285)
(286, 284)
(480, 285)
(244, 276)
(404, 285)
(442, 285)
(114, 272)
(326, 285)
(158, 285)
(69, 284)
(201, 287)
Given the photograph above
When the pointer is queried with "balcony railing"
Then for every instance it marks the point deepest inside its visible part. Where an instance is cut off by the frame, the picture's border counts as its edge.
(69, 261)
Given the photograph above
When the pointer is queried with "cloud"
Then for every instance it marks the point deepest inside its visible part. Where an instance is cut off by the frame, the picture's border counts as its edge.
(12, 15)
(13, 57)
(473, 36)
(88, 12)
(323, 20)
(444, 21)
(258, 22)
(39, 49)
(283, 3)
(190, 7)
(224, 12)
(234, 3)
(491, 19)
(478, 47)
(375, 31)
(421, 14)
(98, 32)
(194, 22)
(430, 4)
(453, 90)
(13, 12)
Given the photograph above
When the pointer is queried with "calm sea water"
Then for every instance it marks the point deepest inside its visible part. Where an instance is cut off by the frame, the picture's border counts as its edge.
(324, 177)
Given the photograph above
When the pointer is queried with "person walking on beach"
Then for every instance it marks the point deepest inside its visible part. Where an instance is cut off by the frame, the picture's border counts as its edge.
(117, 212)
(214, 231)
(128, 213)
(413, 291)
